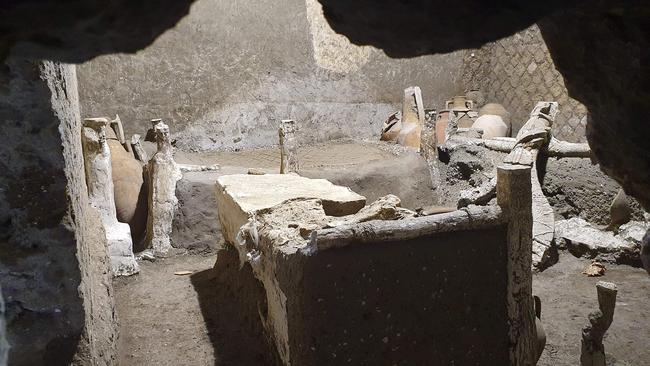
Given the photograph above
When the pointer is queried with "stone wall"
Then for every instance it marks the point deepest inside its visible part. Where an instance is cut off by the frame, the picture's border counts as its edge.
(226, 75)
(53, 266)
(518, 71)
(4, 346)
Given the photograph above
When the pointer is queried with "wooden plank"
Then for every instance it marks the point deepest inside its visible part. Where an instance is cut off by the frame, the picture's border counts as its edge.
(514, 195)
(471, 218)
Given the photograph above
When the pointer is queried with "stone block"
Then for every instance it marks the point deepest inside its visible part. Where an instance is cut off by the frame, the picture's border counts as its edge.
(241, 195)
(368, 284)
(584, 240)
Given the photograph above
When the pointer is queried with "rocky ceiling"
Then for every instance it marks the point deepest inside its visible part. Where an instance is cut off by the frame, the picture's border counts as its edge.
(78, 30)
(601, 47)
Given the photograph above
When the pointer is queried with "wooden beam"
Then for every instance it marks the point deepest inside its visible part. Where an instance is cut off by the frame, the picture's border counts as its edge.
(471, 218)
(563, 149)
(593, 351)
(514, 195)
(556, 148)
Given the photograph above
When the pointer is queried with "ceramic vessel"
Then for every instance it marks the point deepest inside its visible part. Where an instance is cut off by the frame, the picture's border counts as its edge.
(392, 127)
(459, 102)
(442, 121)
(498, 110)
(492, 126)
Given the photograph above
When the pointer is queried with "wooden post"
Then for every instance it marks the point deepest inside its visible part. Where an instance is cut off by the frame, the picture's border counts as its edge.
(592, 350)
(288, 147)
(514, 195)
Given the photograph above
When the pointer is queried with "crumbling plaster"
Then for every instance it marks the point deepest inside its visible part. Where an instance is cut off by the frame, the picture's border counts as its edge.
(229, 72)
(54, 270)
(608, 74)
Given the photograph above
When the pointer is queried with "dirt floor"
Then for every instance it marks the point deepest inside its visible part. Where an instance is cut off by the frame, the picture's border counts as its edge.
(168, 319)
(569, 296)
(162, 323)
(160, 317)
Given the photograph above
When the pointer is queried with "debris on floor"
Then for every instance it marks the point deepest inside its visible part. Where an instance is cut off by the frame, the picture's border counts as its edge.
(595, 269)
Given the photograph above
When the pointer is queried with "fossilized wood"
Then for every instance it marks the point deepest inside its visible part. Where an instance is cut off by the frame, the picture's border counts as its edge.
(480, 195)
(138, 151)
(564, 149)
(514, 196)
(288, 147)
(198, 168)
(471, 218)
(163, 175)
(97, 162)
(543, 219)
(556, 148)
(540, 343)
(501, 145)
(428, 148)
(592, 352)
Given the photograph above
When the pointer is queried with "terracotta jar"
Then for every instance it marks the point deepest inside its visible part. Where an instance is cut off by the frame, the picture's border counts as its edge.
(492, 126)
(459, 102)
(441, 126)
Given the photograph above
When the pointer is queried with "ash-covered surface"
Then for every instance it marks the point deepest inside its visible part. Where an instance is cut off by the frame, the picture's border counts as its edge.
(573, 186)
(567, 299)
(400, 303)
(577, 188)
(464, 167)
(196, 224)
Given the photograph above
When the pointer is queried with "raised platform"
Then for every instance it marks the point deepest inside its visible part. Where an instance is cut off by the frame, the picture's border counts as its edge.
(407, 291)
(240, 196)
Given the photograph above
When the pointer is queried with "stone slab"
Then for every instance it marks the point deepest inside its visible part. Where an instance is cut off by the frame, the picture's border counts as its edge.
(584, 240)
(120, 250)
(240, 195)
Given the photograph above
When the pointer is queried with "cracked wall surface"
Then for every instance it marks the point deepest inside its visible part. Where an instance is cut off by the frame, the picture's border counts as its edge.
(53, 266)
(226, 75)
(518, 71)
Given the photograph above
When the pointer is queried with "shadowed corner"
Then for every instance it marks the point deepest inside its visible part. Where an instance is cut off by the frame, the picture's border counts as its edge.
(406, 29)
(231, 300)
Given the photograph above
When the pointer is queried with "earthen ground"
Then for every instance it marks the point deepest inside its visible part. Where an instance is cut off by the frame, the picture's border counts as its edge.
(569, 296)
(160, 318)
(162, 322)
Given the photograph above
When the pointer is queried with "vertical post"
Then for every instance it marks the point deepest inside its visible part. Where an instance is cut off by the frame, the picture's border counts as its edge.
(514, 195)
(97, 162)
(288, 147)
(163, 175)
(593, 351)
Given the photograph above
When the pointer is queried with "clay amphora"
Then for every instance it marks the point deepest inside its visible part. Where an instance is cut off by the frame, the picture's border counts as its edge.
(459, 102)
(441, 125)
(492, 126)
